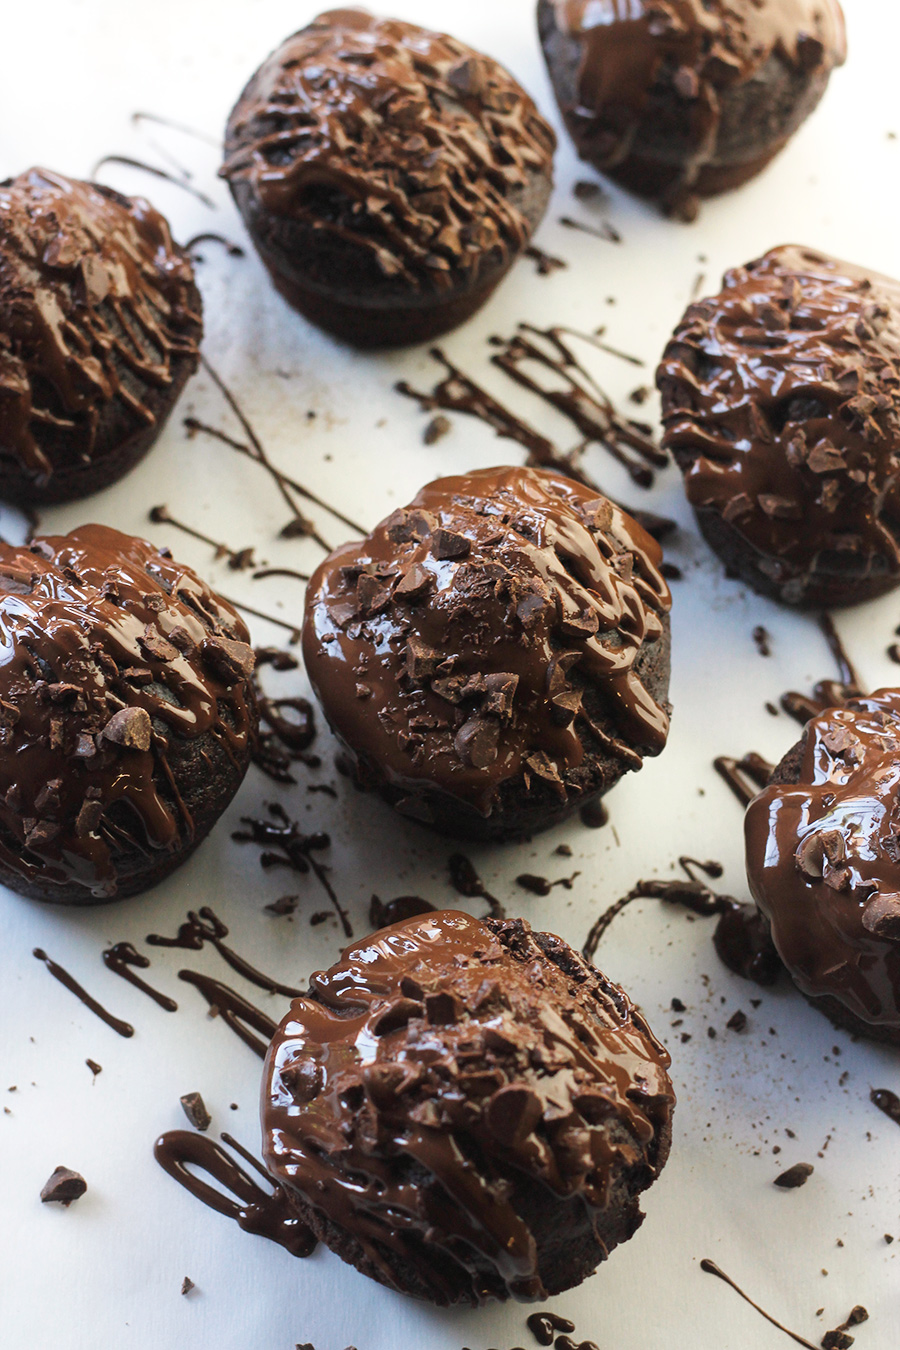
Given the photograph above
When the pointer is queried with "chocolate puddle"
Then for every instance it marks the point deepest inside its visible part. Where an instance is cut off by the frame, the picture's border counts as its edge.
(205, 926)
(234, 1010)
(120, 958)
(267, 1214)
(70, 983)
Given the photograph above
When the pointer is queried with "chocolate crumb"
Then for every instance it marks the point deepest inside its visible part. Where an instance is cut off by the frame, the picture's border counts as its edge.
(94, 1067)
(711, 1033)
(63, 1186)
(285, 904)
(737, 1021)
(678, 1006)
(436, 428)
(888, 1238)
(563, 850)
(195, 1110)
(795, 1176)
(187, 1284)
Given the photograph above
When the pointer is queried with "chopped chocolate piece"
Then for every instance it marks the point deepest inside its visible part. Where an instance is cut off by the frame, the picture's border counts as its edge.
(285, 904)
(795, 1176)
(63, 1186)
(737, 1021)
(231, 659)
(187, 1284)
(436, 429)
(448, 544)
(129, 727)
(195, 1110)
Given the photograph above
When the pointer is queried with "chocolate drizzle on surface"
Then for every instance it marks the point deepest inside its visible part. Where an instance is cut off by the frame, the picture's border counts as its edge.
(484, 637)
(466, 881)
(205, 926)
(781, 403)
(417, 1050)
(70, 983)
(180, 179)
(99, 313)
(826, 693)
(238, 1014)
(745, 776)
(286, 845)
(121, 957)
(544, 262)
(406, 141)
(119, 661)
(712, 1269)
(238, 558)
(823, 861)
(264, 1212)
(544, 1326)
(886, 1101)
(384, 915)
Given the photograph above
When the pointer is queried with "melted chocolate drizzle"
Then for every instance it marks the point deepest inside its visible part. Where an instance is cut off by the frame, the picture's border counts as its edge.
(466, 881)
(712, 1269)
(383, 914)
(121, 957)
(266, 1213)
(745, 776)
(286, 845)
(238, 558)
(70, 983)
(178, 179)
(236, 1012)
(204, 926)
(886, 1101)
(545, 262)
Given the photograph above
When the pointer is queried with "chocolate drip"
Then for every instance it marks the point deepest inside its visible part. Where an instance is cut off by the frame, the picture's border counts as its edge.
(704, 48)
(823, 861)
(886, 1101)
(288, 846)
(266, 1213)
(112, 652)
(559, 592)
(70, 983)
(205, 926)
(236, 1012)
(417, 146)
(121, 957)
(98, 308)
(744, 776)
(288, 738)
(139, 117)
(712, 1269)
(595, 815)
(466, 881)
(356, 1091)
(781, 399)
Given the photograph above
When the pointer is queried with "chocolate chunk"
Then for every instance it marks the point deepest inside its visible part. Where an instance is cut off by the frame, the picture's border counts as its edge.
(500, 692)
(63, 1186)
(90, 813)
(285, 904)
(228, 659)
(195, 1110)
(737, 1021)
(795, 1176)
(187, 1285)
(512, 1113)
(156, 646)
(448, 544)
(94, 1067)
(881, 917)
(414, 583)
(421, 660)
(129, 727)
(477, 742)
(372, 593)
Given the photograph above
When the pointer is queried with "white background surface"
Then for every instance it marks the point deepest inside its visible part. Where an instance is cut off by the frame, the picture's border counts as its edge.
(107, 1272)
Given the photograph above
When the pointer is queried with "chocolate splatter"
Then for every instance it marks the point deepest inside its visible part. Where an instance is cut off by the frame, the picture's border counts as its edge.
(594, 814)
(94, 1067)
(121, 957)
(712, 1269)
(466, 881)
(266, 1213)
(544, 262)
(544, 1326)
(542, 885)
(70, 983)
(286, 845)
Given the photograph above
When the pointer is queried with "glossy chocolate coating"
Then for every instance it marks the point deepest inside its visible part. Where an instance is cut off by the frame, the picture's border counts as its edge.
(99, 318)
(823, 860)
(402, 143)
(649, 88)
(452, 647)
(113, 658)
(781, 402)
(436, 1063)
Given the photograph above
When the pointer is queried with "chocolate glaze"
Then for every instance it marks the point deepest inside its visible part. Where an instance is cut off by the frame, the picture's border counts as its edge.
(823, 862)
(491, 578)
(205, 926)
(121, 957)
(110, 649)
(405, 907)
(380, 1068)
(70, 983)
(97, 305)
(698, 49)
(236, 1012)
(712, 1269)
(266, 1213)
(405, 140)
(781, 402)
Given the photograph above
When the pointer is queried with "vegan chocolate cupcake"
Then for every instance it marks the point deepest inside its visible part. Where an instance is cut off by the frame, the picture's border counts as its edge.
(466, 1110)
(100, 325)
(681, 99)
(781, 404)
(495, 655)
(823, 862)
(388, 176)
(126, 714)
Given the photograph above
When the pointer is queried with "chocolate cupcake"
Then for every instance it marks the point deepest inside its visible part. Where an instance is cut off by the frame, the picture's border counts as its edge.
(681, 99)
(495, 655)
(781, 404)
(388, 176)
(823, 862)
(126, 714)
(466, 1110)
(100, 325)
